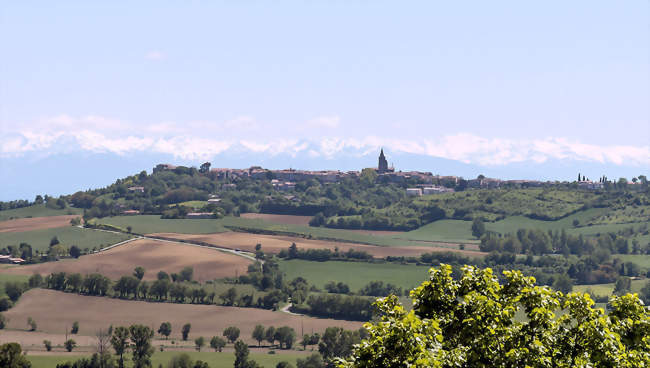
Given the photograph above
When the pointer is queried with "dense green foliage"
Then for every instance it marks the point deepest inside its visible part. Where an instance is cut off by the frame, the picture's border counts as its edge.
(471, 322)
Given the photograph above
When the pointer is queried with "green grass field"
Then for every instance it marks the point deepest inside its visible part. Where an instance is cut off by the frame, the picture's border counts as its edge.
(214, 360)
(643, 260)
(608, 289)
(146, 224)
(355, 274)
(37, 211)
(513, 223)
(442, 230)
(69, 235)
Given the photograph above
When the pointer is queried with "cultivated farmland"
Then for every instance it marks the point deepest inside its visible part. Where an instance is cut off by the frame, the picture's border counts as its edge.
(153, 255)
(276, 243)
(53, 312)
(35, 223)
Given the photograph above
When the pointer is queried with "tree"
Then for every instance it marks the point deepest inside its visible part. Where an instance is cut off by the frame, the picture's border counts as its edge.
(231, 333)
(622, 285)
(75, 252)
(185, 330)
(48, 345)
(470, 322)
(162, 275)
(199, 342)
(5, 304)
(120, 342)
(186, 274)
(14, 290)
(270, 335)
(103, 341)
(478, 228)
(204, 168)
(563, 283)
(165, 329)
(3, 321)
(141, 338)
(337, 342)
(313, 361)
(75, 327)
(11, 356)
(258, 334)
(644, 294)
(31, 323)
(217, 343)
(138, 272)
(35, 280)
(284, 364)
(229, 296)
(286, 336)
(241, 354)
(54, 241)
(69, 345)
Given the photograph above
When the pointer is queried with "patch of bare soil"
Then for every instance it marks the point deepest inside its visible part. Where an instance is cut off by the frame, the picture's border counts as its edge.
(35, 223)
(153, 255)
(55, 311)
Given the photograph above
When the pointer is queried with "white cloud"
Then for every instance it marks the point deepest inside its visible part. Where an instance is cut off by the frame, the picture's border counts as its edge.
(331, 122)
(205, 139)
(154, 55)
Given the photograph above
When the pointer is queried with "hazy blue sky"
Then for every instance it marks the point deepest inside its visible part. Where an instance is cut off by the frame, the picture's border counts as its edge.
(482, 82)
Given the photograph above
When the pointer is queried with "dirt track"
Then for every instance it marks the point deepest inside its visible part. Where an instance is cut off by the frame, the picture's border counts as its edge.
(153, 255)
(54, 311)
(276, 243)
(35, 223)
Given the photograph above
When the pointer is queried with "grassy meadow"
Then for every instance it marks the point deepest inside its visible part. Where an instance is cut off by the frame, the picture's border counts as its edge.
(37, 210)
(69, 235)
(146, 224)
(214, 360)
(608, 289)
(355, 274)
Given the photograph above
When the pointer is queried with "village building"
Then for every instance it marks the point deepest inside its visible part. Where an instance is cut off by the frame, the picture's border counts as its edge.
(413, 192)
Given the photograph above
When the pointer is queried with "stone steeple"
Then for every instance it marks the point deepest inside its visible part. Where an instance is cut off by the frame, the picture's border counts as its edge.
(383, 163)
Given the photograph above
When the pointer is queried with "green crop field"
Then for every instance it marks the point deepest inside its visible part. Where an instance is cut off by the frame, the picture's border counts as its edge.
(38, 210)
(146, 224)
(497, 203)
(442, 230)
(642, 260)
(608, 289)
(69, 235)
(355, 274)
(214, 360)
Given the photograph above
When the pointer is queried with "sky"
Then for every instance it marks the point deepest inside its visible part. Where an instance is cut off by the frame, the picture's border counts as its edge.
(495, 84)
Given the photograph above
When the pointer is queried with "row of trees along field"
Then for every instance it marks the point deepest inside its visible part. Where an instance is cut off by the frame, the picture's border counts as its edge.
(467, 321)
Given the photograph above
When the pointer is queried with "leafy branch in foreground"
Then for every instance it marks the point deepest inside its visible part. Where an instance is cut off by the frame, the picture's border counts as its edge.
(471, 323)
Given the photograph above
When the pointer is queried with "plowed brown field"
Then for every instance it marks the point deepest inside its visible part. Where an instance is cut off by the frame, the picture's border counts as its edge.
(54, 311)
(35, 223)
(276, 243)
(153, 255)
